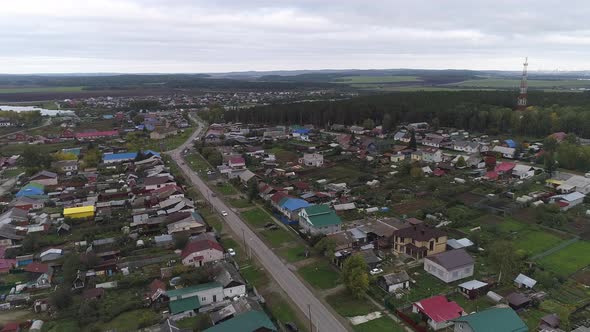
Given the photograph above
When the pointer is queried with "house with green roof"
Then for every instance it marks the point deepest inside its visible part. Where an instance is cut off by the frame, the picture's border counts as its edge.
(491, 320)
(319, 219)
(192, 298)
(250, 321)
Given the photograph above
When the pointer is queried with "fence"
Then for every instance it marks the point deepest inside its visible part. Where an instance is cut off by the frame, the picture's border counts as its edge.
(410, 322)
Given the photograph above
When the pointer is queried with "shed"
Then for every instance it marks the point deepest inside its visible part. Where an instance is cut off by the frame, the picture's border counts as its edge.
(524, 281)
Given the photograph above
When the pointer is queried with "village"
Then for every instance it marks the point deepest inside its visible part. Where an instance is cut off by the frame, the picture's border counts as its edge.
(448, 229)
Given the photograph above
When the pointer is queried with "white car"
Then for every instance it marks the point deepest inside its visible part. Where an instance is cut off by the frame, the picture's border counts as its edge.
(231, 252)
(224, 213)
(375, 271)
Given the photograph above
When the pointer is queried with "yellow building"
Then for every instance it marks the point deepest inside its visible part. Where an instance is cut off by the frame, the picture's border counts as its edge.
(419, 241)
(81, 212)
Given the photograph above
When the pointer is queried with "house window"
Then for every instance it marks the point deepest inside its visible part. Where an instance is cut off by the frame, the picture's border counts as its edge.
(203, 299)
(431, 247)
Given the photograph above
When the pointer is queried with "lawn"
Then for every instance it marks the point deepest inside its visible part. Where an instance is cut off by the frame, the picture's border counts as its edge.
(9, 173)
(282, 311)
(132, 320)
(293, 254)
(509, 84)
(283, 155)
(42, 89)
(256, 217)
(65, 325)
(348, 306)
(376, 79)
(254, 275)
(169, 143)
(212, 219)
(468, 306)
(277, 237)
(197, 163)
(240, 203)
(320, 275)
(226, 189)
(426, 285)
(510, 225)
(381, 324)
(569, 259)
(12, 149)
(534, 242)
(347, 172)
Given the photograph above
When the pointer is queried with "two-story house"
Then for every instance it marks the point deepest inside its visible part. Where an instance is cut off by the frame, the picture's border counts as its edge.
(419, 241)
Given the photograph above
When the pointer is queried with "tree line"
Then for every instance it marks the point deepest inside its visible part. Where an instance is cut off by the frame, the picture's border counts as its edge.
(482, 111)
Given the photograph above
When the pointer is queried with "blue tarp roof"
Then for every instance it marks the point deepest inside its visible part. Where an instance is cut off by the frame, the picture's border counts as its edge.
(293, 204)
(510, 143)
(30, 190)
(301, 131)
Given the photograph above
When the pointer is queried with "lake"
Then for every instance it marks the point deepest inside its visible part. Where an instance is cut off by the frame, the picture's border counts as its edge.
(35, 108)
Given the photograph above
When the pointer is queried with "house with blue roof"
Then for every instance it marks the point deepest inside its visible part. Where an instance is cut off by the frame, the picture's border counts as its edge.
(113, 158)
(510, 143)
(31, 190)
(290, 207)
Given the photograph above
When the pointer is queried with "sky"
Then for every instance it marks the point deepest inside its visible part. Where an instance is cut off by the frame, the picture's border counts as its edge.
(193, 36)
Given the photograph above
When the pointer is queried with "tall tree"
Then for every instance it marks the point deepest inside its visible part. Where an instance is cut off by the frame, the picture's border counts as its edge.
(413, 144)
(355, 275)
(504, 258)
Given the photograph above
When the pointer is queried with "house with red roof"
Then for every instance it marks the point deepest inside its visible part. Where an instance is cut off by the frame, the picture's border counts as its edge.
(198, 253)
(438, 311)
(236, 162)
(559, 136)
(92, 135)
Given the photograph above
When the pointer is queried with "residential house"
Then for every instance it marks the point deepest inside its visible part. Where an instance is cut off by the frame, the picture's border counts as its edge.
(473, 289)
(319, 219)
(491, 320)
(466, 146)
(518, 301)
(568, 201)
(357, 130)
(44, 178)
(228, 276)
(246, 176)
(32, 189)
(93, 135)
(250, 321)
(550, 323)
(198, 253)
(81, 212)
(522, 281)
(431, 155)
(290, 208)
(189, 299)
(438, 311)
(433, 140)
(402, 136)
(391, 282)
(157, 182)
(506, 152)
(27, 203)
(523, 171)
(419, 241)
(236, 162)
(450, 265)
(575, 183)
(312, 159)
(65, 166)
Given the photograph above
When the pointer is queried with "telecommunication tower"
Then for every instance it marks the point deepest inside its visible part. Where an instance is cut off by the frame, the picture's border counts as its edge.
(522, 97)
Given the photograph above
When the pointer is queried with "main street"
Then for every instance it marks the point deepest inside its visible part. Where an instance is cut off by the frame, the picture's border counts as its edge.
(322, 318)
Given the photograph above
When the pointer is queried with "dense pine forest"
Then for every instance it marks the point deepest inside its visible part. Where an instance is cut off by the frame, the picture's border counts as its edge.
(483, 111)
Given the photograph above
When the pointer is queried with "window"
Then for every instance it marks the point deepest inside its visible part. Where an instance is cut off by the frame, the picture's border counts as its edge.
(431, 247)
(203, 299)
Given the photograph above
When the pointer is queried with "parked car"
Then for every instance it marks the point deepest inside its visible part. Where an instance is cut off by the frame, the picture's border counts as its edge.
(291, 327)
(224, 213)
(375, 271)
(231, 252)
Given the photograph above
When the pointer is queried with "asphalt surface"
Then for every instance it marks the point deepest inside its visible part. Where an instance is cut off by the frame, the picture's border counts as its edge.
(323, 319)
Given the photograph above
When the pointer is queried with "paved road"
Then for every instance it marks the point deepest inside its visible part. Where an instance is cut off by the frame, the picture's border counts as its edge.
(295, 289)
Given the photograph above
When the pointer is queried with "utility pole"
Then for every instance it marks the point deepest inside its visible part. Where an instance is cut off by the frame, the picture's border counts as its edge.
(244, 238)
(521, 102)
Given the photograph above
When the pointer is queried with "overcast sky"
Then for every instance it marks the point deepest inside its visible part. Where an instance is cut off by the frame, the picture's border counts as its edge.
(51, 36)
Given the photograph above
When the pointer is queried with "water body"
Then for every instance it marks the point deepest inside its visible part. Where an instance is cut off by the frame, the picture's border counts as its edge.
(35, 108)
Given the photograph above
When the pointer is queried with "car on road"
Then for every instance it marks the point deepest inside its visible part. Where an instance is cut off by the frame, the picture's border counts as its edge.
(375, 271)
(224, 213)
(231, 252)
(291, 327)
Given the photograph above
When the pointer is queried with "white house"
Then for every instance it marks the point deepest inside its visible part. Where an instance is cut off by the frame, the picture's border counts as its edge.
(231, 280)
(523, 171)
(319, 219)
(432, 155)
(523, 281)
(312, 159)
(504, 151)
(394, 281)
(450, 265)
(198, 253)
(568, 201)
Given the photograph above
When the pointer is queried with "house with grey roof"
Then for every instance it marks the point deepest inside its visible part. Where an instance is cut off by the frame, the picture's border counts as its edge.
(450, 265)
(391, 282)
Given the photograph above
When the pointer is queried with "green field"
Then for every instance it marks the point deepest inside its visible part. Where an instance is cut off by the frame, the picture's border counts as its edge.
(320, 275)
(535, 242)
(348, 306)
(226, 189)
(42, 89)
(256, 217)
(569, 259)
(513, 84)
(376, 79)
(240, 203)
(293, 254)
(277, 237)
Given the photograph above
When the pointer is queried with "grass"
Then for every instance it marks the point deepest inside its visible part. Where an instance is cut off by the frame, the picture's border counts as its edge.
(426, 285)
(340, 173)
(469, 306)
(41, 89)
(282, 311)
(64, 325)
(380, 324)
(569, 259)
(187, 323)
(12, 172)
(535, 242)
(254, 275)
(197, 163)
(320, 275)
(376, 79)
(226, 189)
(212, 219)
(240, 203)
(348, 306)
(170, 142)
(132, 320)
(293, 254)
(11, 149)
(256, 217)
(277, 237)
(283, 155)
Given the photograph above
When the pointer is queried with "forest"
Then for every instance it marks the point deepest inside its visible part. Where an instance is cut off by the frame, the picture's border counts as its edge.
(489, 112)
